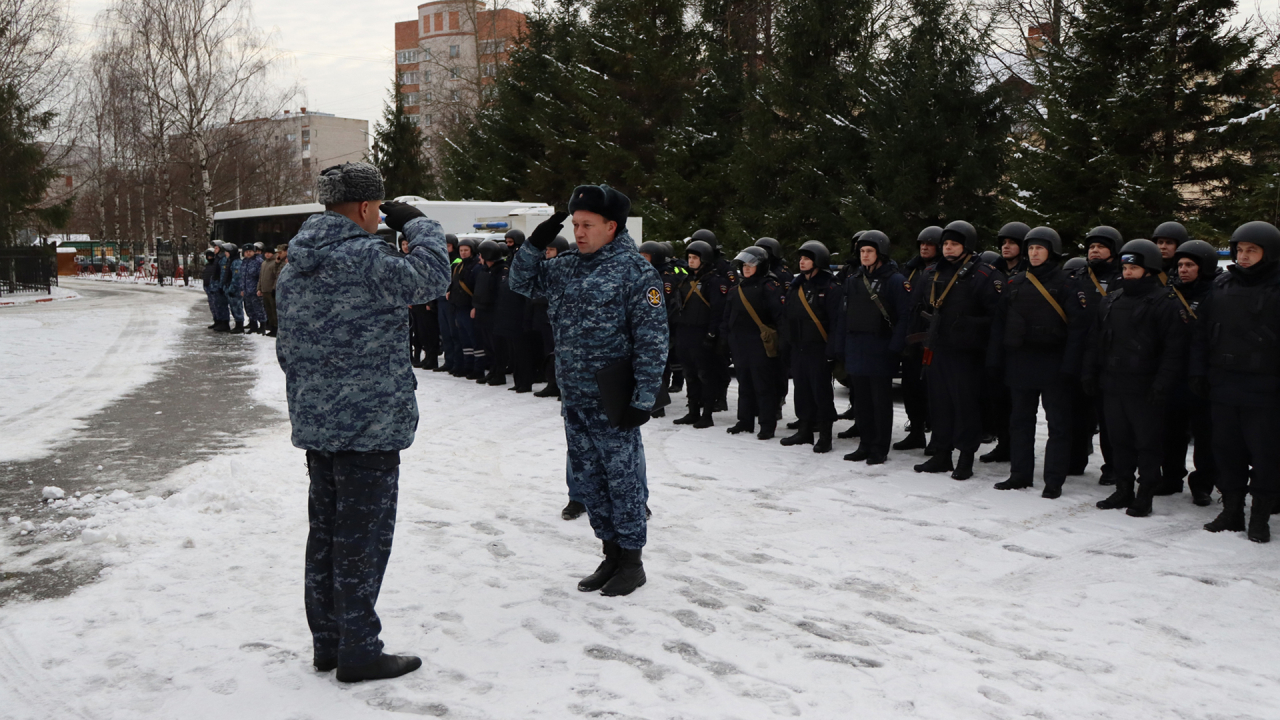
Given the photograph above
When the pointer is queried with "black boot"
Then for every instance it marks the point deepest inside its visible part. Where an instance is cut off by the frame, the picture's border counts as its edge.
(222, 326)
(497, 379)
(607, 569)
(939, 463)
(877, 458)
(964, 467)
(795, 425)
(1012, 484)
(767, 431)
(1052, 492)
(415, 359)
(1000, 453)
(823, 445)
(551, 390)
(630, 575)
(1169, 487)
(1141, 505)
(214, 326)
(803, 436)
(573, 510)
(930, 449)
(1232, 516)
(385, 667)
(913, 441)
(705, 421)
(659, 413)
(1201, 499)
(690, 418)
(847, 414)
(238, 329)
(677, 381)
(742, 426)
(852, 432)
(862, 453)
(1121, 498)
(1259, 515)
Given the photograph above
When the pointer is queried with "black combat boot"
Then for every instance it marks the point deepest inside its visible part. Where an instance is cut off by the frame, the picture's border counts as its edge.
(767, 430)
(253, 325)
(862, 453)
(849, 414)
(552, 390)
(1052, 492)
(852, 432)
(964, 467)
(823, 445)
(214, 326)
(630, 575)
(324, 664)
(1169, 487)
(238, 329)
(677, 381)
(913, 441)
(659, 413)
(1014, 484)
(1232, 516)
(1108, 476)
(497, 379)
(690, 418)
(415, 359)
(573, 510)
(1141, 505)
(385, 667)
(939, 463)
(1121, 498)
(1202, 499)
(803, 436)
(1000, 453)
(877, 458)
(705, 421)
(742, 426)
(795, 425)
(1259, 515)
(607, 569)
(222, 326)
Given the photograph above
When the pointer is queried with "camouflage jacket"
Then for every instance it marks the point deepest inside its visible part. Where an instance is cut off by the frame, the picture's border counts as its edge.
(231, 277)
(603, 307)
(342, 302)
(249, 271)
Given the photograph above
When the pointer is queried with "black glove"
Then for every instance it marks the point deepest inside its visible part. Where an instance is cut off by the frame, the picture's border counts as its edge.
(633, 418)
(399, 214)
(547, 231)
(1089, 383)
(1200, 387)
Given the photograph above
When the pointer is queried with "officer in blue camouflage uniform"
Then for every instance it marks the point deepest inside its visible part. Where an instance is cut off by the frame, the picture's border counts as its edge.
(232, 287)
(605, 303)
(250, 270)
(343, 311)
(218, 296)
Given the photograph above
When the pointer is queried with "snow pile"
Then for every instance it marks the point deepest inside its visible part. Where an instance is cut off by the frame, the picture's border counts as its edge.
(55, 294)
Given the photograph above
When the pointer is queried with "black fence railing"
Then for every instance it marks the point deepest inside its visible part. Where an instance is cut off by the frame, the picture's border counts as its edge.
(27, 269)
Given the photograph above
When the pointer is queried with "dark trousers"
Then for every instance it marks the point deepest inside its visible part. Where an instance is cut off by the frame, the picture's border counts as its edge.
(1186, 419)
(758, 392)
(465, 332)
(996, 406)
(814, 397)
(1136, 426)
(701, 367)
(873, 406)
(607, 470)
(1244, 438)
(269, 302)
(449, 335)
(235, 305)
(954, 380)
(524, 358)
(352, 509)
(420, 335)
(1024, 403)
(486, 349)
(218, 305)
(915, 398)
(1084, 424)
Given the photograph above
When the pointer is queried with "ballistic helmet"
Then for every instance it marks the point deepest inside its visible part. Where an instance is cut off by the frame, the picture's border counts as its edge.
(817, 252)
(1046, 237)
(1143, 253)
(961, 232)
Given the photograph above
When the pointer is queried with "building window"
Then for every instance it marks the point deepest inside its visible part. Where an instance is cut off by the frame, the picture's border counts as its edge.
(455, 51)
(407, 57)
(290, 137)
(493, 47)
(411, 99)
(409, 78)
(415, 119)
(489, 69)
(306, 147)
(426, 120)
(426, 140)
(453, 73)
(306, 135)
(426, 97)
(426, 76)
(453, 96)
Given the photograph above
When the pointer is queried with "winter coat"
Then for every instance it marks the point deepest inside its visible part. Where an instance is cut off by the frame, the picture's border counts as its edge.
(700, 299)
(603, 307)
(485, 288)
(462, 285)
(799, 332)
(872, 343)
(514, 315)
(342, 303)
(1237, 338)
(250, 271)
(231, 277)
(1138, 343)
(765, 294)
(209, 275)
(964, 314)
(267, 277)
(1034, 344)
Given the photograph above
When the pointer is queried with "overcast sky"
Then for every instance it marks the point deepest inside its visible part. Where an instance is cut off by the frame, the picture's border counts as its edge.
(342, 52)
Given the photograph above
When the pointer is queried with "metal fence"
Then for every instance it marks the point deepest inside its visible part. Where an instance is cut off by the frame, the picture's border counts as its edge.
(27, 270)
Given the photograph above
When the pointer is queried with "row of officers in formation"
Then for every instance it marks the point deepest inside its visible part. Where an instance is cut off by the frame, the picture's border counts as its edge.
(1147, 344)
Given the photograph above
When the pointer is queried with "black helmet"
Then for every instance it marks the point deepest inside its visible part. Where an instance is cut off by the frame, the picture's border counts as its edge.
(451, 239)
(516, 235)
(1172, 231)
(468, 242)
(705, 236)
(990, 257)
(1046, 236)
(209, 253)
(1075, 264)
(1204, 255)
(1106, 235)
(817, 252)
(492, 251)
(1260, 233)
(772, 247)
(706, 254)
(1016, 231)
(1143, 253)
(666, 245)
(853, 244)
(560, 244)
(752, 255)
(654, 250)
(963, 232)
(875, 239)
(931, 235)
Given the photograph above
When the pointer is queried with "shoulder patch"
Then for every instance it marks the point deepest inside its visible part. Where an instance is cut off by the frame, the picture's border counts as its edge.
(907, 284)
(654, 296)
(1084, 302)
(724, 289)
(999, 284)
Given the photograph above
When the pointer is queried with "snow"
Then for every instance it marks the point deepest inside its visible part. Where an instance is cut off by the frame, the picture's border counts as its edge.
(62, 362)
(781, 583)
(55, 294)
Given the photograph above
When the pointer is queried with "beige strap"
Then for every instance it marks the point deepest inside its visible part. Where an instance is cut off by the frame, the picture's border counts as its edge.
(1036, 281)
(750, 310)
(805, 304)
(1101, 291)
(1184, 303)
(933, 288)
(693, 289)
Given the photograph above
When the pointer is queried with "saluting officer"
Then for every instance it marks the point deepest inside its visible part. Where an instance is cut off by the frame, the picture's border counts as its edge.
(1137, 350)
(701, 298)
(959, 295)
(1040, 333)
(752, 313)
(812, 307)
(1237, 366)
(874, 330)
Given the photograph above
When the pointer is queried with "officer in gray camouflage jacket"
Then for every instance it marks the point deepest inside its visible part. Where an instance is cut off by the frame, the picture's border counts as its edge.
(342, 303)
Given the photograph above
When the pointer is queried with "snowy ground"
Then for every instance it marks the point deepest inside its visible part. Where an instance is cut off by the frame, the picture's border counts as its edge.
(54, 294)
(62, 362)
(781, 583)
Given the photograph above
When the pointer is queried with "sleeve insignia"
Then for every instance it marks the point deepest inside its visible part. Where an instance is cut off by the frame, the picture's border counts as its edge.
(654, 296)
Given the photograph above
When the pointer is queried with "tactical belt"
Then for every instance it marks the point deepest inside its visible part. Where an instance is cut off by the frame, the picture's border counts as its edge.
(1036, 281)
(805, 303)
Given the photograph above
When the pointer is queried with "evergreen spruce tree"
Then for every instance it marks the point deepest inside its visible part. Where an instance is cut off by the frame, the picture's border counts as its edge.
(26, 176)
(937, 128)
(398, 151)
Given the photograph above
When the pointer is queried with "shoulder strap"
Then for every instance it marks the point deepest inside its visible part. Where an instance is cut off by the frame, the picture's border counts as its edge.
(1036, 281)
(693, 290)
(933, 289)
(750, 310)
(1178, 293)
(875, 298)
(805, 303)
(1101, 290)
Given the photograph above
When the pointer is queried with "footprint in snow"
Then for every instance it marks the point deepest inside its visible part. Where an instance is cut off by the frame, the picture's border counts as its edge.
(690, 619)
(1033, 553)
(691, 655)
(543, 635)
(651, 671)
(499, 550)
(485, 528)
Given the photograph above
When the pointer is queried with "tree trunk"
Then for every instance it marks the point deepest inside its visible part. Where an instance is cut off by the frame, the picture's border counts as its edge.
(206, 183)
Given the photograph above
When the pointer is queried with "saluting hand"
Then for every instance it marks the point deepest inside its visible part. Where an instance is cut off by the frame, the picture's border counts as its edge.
(547, 231)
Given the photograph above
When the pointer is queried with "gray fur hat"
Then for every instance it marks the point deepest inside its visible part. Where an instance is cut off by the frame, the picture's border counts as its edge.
(350, 182)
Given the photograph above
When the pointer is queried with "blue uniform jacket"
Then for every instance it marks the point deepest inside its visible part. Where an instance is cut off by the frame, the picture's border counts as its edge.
(342, 303)
(249, 271)
(603, 307)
